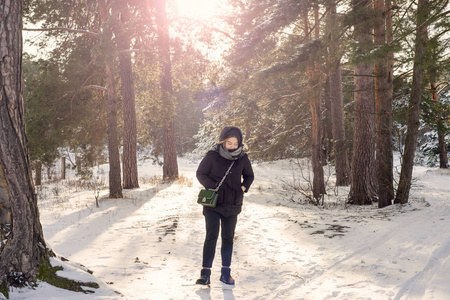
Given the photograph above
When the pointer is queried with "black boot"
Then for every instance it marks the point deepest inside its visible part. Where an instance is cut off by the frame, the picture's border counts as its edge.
(205, 274)
(226, 277)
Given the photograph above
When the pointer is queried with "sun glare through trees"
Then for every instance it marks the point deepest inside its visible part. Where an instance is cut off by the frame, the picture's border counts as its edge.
(197, 9)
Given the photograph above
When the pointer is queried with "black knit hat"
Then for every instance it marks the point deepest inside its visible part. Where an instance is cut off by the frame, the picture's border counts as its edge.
(231, 131)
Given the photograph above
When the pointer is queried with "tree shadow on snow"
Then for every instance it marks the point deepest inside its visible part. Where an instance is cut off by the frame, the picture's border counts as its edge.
(88, 223)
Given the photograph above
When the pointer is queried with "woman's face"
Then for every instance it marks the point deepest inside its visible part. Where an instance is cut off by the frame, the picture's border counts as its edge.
(231, 143)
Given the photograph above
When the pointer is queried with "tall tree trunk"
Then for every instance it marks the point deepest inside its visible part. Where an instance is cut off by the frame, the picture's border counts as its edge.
(337, 104)
(362, 190)
(442, 146)
(63, 167)
(78, 164)
(316, 144)
(115, 184)
(314, 88)
(49, 173)
(327, 123)
(25, 249)
(129, 161)
(443, 158)
(383, 105)
(170, 166)
(338, 128)
(320, 181)
(404, 184)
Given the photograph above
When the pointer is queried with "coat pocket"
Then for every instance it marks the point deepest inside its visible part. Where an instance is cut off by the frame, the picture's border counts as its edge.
(238, 200)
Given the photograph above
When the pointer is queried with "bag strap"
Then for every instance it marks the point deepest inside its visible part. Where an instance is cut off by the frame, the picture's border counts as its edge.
(226, 174)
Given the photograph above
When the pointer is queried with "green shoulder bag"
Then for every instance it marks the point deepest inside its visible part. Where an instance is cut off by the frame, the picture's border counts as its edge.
(208, 197)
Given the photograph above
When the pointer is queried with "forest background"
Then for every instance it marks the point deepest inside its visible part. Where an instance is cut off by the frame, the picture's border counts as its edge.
(344, 83)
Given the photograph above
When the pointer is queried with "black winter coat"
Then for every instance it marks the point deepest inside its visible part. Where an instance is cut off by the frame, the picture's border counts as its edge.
(211, 171)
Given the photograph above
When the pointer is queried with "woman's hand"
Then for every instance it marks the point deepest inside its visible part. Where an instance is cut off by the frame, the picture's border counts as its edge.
(243, 188)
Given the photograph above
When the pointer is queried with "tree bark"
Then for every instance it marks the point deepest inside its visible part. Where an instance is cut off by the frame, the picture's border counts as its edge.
(337, 104)
(38, 175)
(25, 249)
(115, 184)
(443, 158)
(413, 122)
(129, 159)
(5, 207)
(314, 93)
(316, 145)
(170, 166)
(63, 167)
(338, 128)
(362, 190)
(442, 146)
(78, 163)
(327, 122)
(383, 105)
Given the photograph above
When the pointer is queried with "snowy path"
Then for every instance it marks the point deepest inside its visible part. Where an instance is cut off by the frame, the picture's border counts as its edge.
(148, 245)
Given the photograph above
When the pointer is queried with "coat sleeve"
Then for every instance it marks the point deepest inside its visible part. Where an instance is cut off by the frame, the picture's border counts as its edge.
(247, 174)
(203, 173)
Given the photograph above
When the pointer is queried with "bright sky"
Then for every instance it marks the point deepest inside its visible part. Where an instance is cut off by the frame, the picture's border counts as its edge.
(198, 9)
(206, 12)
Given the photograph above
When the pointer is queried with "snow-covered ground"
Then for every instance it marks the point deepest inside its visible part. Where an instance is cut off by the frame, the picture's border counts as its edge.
(148, 245)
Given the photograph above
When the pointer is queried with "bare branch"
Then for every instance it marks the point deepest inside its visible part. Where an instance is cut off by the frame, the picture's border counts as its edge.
(220, 31)
(446, 86)
(92, 86)
(96, 87)
(62, 29)
(137, 50)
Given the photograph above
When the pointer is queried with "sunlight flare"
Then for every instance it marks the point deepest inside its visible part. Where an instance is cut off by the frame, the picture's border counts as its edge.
(197, 9)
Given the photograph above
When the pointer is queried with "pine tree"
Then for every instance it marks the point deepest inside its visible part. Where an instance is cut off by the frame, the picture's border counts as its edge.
(362, 190)
(123, 41)
(383, 72)
(88, 19)
(115, 182)
(287, 77)
(25, 251)
(404, 184)
(170, 167)
(337, 103)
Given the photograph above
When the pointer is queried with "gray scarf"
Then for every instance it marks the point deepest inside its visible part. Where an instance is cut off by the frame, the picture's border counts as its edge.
(235, 155)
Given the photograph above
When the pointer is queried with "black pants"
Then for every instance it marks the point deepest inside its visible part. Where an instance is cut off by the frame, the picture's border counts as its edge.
(214, 221)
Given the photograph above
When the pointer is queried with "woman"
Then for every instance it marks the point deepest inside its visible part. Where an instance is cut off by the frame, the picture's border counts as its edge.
(210, 172)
